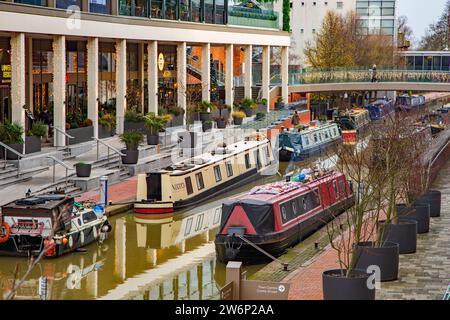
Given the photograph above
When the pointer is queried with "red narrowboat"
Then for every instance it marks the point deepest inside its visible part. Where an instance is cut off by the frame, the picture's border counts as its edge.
(277, 216)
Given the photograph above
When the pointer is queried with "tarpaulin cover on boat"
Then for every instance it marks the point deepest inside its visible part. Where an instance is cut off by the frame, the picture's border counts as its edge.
(259, 213)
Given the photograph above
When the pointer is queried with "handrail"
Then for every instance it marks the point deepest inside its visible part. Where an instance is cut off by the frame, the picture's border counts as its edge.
(18, 154)
(433, 161)
(99, 141)
(56, 160)
(68, 136)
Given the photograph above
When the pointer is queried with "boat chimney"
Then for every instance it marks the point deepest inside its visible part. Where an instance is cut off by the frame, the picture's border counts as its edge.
(288, 178)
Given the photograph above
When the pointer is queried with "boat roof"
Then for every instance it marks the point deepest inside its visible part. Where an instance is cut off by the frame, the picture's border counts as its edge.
(313, 128)
(219, 154)
(46, 202)
(281, 191)
(354, 112)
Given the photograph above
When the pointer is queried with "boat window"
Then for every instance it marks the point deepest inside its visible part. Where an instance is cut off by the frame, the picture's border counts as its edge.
(229, 167)
(199, 222)
(248, 165)
(335, 188)
(188, 183)
(326, 134)
(342, 188)
(200, 183)
(306, 140)
(287, 212)
(89, 217)
(315, 137)
(258, 159)
(217, 216)
(217, 173)
(294, 208)
(188, 226)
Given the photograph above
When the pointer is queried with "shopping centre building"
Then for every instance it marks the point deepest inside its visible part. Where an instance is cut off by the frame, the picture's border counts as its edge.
(76, 57)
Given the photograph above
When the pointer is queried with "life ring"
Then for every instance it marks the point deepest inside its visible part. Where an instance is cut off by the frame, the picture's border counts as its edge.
(6, 232)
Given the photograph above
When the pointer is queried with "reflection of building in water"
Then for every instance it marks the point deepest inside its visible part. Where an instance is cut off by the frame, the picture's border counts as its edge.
(120, 239)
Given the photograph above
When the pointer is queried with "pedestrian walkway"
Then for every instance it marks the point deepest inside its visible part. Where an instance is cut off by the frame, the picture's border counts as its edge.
(423, 275)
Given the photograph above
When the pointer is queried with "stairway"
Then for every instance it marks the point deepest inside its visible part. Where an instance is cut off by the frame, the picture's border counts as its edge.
(9, 176)
(239, 93)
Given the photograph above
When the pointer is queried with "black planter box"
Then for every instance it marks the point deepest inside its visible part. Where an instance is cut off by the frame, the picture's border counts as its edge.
(207, 126)
(152, 140)
(81, 134)
(205, 116)
(221, 124)
(238, 121)
(339, 287)
(83, 170)
(385, 257)
(177, 120)
(9, 154)
(105, 132)
(131, 156)
(32, 144)
(135, 126)
(248, 112)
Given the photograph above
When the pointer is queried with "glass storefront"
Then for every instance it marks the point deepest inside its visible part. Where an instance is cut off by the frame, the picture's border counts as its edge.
(33, 2)
(135, 8)
(5, 79)
(76, 82)
(167, 78)
(134, 89)
(107, 76)
(100, 6)
(64, 4)
(42, 76)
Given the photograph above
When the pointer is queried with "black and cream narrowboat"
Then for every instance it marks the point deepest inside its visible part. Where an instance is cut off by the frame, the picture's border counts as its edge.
(352, 123)
(53, 223)
(277, 216)
(200, 178)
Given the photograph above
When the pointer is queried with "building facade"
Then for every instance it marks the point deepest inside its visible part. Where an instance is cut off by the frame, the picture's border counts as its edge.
(76, 58)
(376, 17)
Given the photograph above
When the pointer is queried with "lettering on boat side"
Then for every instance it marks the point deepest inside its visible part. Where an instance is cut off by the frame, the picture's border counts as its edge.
(178, 186)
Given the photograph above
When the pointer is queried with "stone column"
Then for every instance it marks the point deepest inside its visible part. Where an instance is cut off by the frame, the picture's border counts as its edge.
(285, 74)
(181, 77)
(229, 74)
(18, 78)
(152, 76)
(92, 82)
(248, 71)
(30, 96)
(121, 84)
(206, 72)
(59, 89)
(141, 48)
(266, 75)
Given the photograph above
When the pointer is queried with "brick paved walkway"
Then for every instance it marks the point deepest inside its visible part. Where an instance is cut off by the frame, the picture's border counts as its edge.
(423, 275)
(119, 192)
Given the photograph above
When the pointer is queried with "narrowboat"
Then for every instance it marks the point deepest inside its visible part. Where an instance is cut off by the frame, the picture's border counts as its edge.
(352, 123)
(188, 183)
(380, 109)
(299, 145)
(277, 216)
(407, 103)
(53, 223)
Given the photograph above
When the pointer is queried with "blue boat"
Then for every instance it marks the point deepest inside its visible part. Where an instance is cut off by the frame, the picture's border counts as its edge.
(406, 103)
(380, 109)
(299, 145)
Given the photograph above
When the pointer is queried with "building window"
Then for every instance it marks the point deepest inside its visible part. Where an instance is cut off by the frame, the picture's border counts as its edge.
(229, 167)
(339, 5)
(248, 165)
(135, 8)
(156, 9)
(313, 31)
(302, 31)
(100, 6)
(64, 4)
(200, 182)
(217, 173)
(33, 2)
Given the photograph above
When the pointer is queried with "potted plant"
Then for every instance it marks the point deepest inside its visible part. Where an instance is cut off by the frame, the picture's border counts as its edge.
(83, 170)
(238, 117)
(81, 130)
(248, 106)
(262, 106)
(221, 122)
(205, 110)
(132, 140)
(433, 199)
(34, 137)
(177, 114)
(155, 124)
(134, 120)
(260, 116)
(279, 104)
(207, 125)
(11, 134)
(107, 125)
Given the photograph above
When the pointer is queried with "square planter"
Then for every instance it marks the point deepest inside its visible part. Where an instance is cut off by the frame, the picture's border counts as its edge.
(32, 144)
(105, 132)
(131, 156)
(9, 154)
(81, 134)
(177, 121)
(135, 126)
(238, 121)
(83, 170)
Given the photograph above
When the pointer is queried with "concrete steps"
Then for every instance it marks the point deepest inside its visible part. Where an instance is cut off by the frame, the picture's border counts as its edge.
(10, 176)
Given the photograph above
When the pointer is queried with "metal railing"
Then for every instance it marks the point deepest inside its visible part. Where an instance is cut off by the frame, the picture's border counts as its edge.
(55, 161)
(68, 136)
(110, 147)
(18, 154)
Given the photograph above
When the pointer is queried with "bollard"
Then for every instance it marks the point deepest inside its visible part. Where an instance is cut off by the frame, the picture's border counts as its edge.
(104, 191)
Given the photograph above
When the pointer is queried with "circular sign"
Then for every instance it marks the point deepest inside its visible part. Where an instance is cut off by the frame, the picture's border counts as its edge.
(161, 62)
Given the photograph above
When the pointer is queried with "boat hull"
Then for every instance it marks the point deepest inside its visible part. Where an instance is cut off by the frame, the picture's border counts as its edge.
(275, 243)
(286, 155)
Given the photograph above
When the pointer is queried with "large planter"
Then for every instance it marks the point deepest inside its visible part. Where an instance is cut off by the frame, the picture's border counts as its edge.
(32, 144)
(83, 170)
(337, 286)
(152, 139)
(419, 212)
(177, 120)
(207, 126)
(105, 132)
(248, 112)
(221, 124)
(433, 198)
(135, 126)
(205, 116)
(385, 257)
(9, 154)
(131, 156)
(81, 134)
(238, 121)
(404, 232)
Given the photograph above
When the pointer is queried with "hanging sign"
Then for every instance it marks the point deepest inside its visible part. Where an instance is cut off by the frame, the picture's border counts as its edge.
(5, 73)
(161, 62)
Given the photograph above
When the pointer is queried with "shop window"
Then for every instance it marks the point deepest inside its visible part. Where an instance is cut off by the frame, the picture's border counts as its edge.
(196, 10)
(209, 11)
(64, 4)
(171, 10)
(100, 6)
(156, 9)
(134, 8)
(33, 2)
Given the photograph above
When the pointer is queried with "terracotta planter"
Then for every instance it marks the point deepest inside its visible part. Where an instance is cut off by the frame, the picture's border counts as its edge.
(385, 257)
(83, 170)
(131, 156)
(433, 198)
(336, 286)
(404, 233)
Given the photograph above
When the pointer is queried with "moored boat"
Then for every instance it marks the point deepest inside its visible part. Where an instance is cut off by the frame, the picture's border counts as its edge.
(407, 103)
(276, 216)
(352, 123)
(200, 178)
(298, 145)
(380, 109)
(53, 223)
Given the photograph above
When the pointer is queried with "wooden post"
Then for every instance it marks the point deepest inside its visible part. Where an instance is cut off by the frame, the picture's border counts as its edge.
(233, 274)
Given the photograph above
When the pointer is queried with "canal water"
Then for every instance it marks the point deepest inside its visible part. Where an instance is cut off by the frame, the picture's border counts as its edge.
(165, 259)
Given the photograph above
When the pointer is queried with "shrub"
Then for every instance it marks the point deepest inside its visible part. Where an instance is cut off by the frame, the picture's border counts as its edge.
(176, 111)
(132, 139)
(133, 115)
(238, 115)
(156, 123)
(206, 106)
(11, 133)
(248, 103)
(39, 129)
(87, 123)
(108, 120)
(260, 116)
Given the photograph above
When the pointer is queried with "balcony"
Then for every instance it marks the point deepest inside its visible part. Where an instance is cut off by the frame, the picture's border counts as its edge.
(256, 17)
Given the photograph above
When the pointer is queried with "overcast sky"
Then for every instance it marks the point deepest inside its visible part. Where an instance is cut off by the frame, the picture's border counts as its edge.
(420, 13)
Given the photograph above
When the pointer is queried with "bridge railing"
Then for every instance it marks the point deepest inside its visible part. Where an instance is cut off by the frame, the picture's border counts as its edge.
(366, 75)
